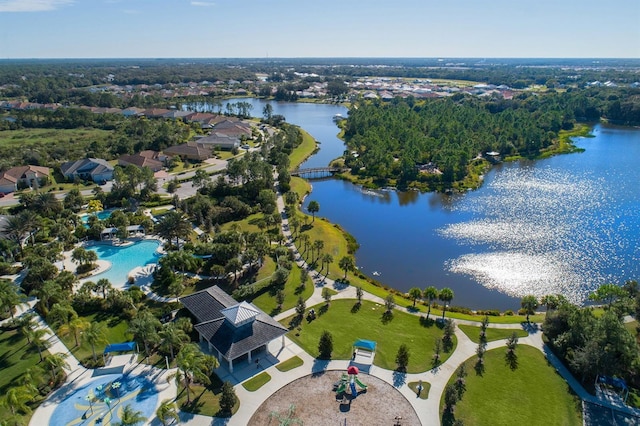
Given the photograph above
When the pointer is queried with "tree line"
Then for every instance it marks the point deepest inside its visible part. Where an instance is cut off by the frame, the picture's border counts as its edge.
(387, 141)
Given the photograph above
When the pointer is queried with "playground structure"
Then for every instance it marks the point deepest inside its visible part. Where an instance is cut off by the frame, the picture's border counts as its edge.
(350, 379)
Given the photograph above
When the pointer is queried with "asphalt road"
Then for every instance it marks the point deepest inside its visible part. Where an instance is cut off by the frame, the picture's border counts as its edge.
(185, 190)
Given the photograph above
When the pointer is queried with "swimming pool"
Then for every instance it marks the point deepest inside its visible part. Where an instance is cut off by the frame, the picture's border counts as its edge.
(103, 399)
(124, 258)
(102, 215)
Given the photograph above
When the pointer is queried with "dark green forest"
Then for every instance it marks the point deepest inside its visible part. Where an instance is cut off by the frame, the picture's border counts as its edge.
(387, 141)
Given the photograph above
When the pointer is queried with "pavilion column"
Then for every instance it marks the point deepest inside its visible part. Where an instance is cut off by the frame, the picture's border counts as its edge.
(249, 354)
(231, 366)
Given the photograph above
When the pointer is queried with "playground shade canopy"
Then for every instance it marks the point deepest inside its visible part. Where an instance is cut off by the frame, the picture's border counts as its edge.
(120, 347)
(365, 344)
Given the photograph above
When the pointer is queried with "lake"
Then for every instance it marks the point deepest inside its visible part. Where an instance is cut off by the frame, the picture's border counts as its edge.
(560, 225)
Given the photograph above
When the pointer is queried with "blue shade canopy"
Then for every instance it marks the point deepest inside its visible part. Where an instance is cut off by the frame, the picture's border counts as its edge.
(369, 345)
(120, 347)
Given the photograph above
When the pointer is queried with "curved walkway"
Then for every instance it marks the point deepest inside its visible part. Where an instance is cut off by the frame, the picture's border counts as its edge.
(427, 410)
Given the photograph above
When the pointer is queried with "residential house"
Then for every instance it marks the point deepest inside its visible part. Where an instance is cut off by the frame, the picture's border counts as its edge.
(156, 112)
(218, 140)
(132, 111)
(233, 128)
(190, 151)
(140, 161)
(23, 176)
(95, 169)
(175, 114)
(233, 331)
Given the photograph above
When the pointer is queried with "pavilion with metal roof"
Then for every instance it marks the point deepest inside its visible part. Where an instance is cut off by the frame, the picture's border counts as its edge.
(232, 330)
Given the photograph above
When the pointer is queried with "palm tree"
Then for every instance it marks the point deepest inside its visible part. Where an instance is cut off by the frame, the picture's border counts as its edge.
(317, 246)
(94, 335)
(415, 293)
(295, 224)
(25, 325)
(131, 417)
(55, 362)
(17, 228)
(37, 337)
(304, 241)
(431, 294)
(172, 337)
(46, 203)
(167, 411)
(61, 313)
(193, 365)
(446, 296)
(31, 379)
(144, 327)
(529, 303)
(74, 327)
(103, 285)
(16, 398)
(346, 264)
(234, 265)
(327, 259)
(217, 271)
(313, 208)
(47, 292)
(10, 296)
(173, 225)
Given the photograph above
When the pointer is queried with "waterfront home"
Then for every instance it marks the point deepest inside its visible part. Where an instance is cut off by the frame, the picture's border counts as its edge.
(23, 176)
(234, 331)
(218, 140)
(95, 169)
(233, 128)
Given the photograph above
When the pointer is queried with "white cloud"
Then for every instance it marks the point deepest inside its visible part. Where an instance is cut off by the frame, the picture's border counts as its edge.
(203, 3)
(31, 5)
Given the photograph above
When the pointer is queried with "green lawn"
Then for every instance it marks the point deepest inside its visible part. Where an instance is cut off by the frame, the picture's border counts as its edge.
(492, 334)
(267, 300)
(205, 400)
(301, 186)
(16, 356)
(348, 323)
(426, 386)
(115, 331)
(533, 394)
(290, 364)
(256, 382)
(247, 224)
(303, 151)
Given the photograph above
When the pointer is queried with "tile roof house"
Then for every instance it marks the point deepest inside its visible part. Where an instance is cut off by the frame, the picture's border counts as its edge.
(220, 141)
(29, 176)
(232, 330)
(156, 112)
(95, 169)
(190, 151)
(140, 161)
(233, 128)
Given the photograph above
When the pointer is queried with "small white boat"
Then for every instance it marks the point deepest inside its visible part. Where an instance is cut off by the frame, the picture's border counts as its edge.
(376, 274)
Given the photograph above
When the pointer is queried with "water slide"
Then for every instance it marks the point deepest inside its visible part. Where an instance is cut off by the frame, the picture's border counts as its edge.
(359, 383)
(353, 389)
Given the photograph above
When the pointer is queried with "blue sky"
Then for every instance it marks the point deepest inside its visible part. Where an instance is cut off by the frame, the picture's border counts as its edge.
(327, 28)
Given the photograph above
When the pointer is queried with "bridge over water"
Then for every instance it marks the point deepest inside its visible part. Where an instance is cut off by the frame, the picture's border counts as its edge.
(318, 172)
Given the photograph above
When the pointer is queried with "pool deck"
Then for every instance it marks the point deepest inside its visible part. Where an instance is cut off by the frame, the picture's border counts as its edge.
(104, 265)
